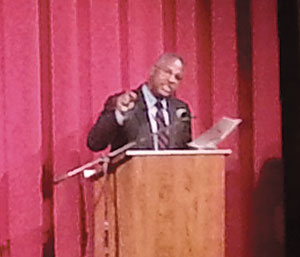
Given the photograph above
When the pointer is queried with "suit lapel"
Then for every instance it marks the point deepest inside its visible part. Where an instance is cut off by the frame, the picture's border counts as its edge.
(141, 111)
(172, 116)
(172, 111)
(141, 122)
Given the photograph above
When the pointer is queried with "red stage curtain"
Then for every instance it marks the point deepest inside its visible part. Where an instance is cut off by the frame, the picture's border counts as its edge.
(60, 60)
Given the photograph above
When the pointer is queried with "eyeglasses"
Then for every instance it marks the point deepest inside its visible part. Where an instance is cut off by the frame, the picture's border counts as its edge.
(168, 72)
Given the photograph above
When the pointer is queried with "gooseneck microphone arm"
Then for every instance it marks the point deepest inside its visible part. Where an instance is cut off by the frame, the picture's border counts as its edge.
(102, 159)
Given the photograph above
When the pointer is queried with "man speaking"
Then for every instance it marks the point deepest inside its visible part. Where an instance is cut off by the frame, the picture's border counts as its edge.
(151, 116)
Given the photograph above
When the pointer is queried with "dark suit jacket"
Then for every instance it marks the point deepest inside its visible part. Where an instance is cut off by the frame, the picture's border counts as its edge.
(136, 126)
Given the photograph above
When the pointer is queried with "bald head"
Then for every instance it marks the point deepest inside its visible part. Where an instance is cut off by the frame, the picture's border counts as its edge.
(166, 75)
(169, 57)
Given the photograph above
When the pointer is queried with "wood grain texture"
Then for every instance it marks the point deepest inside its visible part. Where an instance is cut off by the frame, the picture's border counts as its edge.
(169, 206)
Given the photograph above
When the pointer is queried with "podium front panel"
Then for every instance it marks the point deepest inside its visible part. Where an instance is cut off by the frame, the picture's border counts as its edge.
(167, 206)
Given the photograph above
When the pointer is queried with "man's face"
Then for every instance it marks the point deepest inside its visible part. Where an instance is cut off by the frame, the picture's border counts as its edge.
(165, 77)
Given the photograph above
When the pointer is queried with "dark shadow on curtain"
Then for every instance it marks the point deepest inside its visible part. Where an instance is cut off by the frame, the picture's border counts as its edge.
(48, 226)
(268, 211)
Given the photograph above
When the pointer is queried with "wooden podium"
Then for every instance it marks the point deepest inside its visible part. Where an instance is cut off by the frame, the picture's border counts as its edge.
(162, 204)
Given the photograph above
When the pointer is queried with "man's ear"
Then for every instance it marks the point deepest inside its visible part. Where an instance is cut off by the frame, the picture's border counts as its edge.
(151, 74)
(152, 71)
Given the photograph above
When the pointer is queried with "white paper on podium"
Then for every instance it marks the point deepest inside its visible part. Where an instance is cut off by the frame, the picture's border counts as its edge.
(217, 133)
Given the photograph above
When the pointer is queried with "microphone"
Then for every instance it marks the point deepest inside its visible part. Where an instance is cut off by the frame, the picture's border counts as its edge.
(183, 114)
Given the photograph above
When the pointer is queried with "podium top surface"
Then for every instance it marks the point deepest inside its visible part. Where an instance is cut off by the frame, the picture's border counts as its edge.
(178, 152)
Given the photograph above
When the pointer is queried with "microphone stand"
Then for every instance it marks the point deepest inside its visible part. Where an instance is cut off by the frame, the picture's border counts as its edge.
(106, 159)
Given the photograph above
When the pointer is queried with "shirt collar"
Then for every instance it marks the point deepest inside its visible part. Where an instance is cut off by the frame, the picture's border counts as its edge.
(150, 99)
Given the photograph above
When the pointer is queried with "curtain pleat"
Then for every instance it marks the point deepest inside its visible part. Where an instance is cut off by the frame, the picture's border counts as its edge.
(60, 60)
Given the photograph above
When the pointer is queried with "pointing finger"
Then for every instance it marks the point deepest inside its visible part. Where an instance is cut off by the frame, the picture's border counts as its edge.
(133, 96)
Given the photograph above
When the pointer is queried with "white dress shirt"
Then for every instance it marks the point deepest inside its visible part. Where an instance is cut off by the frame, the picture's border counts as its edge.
(150, 101)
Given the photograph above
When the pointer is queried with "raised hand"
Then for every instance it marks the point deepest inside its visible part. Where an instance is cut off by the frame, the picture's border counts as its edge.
(126, 101)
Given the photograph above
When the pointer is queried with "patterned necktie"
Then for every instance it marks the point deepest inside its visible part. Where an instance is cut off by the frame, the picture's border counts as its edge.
(162, 135)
